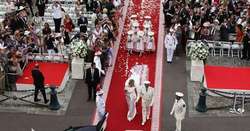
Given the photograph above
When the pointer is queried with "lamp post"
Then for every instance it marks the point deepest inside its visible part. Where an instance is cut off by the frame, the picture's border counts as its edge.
(54, 103)
(201, 106)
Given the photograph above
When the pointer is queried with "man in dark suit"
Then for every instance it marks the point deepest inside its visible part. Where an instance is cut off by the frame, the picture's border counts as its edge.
(92, 79)
(41, 6)
(246, 45)
(38, 80)
(82, 23)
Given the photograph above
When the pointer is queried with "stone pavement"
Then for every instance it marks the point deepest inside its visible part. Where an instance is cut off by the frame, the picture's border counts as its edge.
(21, 106)
(176, 78)
(75, 111)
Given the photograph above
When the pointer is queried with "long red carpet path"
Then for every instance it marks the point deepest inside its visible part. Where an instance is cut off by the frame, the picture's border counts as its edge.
(53, 73)
(220, 77)
(116, 103)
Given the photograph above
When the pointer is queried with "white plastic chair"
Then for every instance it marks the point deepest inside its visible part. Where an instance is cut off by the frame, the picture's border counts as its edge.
(236, 49)
(225, 48)
(217, 48)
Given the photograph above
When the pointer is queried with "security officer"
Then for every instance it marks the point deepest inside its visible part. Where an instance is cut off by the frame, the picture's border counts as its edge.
(179, 110)
(147, 94)
(170, 44)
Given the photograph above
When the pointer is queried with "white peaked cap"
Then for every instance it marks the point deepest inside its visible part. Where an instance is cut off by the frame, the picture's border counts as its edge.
(140, 33)
(147, 82)
(133, 16)
(130, 32)
(179, 94)
(147, 17)
(151, 33)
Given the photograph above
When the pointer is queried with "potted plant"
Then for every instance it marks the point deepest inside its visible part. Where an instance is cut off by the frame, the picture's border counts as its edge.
(198, 53)
(79, 50)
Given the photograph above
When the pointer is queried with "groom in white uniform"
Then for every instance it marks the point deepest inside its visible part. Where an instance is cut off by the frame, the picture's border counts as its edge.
(170, 44)
(179, 110)
(147, 94)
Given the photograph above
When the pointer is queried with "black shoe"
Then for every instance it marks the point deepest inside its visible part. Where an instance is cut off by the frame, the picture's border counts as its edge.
(36, 100)
(46, 101)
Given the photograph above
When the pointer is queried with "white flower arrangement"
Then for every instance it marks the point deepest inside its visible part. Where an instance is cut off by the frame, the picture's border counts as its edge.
(79, 48)
(198, 51)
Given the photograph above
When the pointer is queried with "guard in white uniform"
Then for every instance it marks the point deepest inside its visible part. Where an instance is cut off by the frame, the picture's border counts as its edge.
(100, 104)
(170, 44)
(179, 110)
(130, 43)
(149, 40)
(147, 95)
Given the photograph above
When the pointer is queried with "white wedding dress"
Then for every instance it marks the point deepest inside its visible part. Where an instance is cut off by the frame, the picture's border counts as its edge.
(139, 73)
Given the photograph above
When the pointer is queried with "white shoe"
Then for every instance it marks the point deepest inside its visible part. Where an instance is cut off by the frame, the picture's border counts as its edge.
(147, 117)
(143, 123)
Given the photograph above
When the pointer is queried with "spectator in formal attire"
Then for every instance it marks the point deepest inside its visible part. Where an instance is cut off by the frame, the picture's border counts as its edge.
(246, 45)
(239, 33)
(30, 4)
(82, 23)
(41, 7)
(92, 80)
(68, 27)
(57, 15)
(38, 80)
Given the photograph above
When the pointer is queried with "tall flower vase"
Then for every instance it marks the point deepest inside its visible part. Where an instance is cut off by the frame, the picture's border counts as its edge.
(197, 70)
(77, 68)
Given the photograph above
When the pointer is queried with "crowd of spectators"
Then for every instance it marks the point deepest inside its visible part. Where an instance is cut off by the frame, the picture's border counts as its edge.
(25, 30)
(215, 20)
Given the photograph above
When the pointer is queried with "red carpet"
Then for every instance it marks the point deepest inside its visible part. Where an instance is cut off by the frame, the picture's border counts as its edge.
(53, 73)
(116, 104)
(233, 78)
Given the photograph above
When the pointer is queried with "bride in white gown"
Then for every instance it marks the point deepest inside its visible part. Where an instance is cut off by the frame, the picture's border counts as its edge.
(138, 74)
(131, 96)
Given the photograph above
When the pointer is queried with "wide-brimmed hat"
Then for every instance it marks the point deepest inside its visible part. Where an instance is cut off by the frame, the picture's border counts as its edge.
(206, 24)
(180, 94)
(151, 33)
(133, 16)
(21, 8)
(147, 17)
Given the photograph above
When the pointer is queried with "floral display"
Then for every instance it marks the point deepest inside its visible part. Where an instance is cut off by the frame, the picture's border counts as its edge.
(79, 48)
(198, 51)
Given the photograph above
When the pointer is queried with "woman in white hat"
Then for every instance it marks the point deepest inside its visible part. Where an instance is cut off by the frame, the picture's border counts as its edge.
(139, 43)
(150, 45)
(133, 21)
(147, 22)
(131, 96)
(130, 43)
